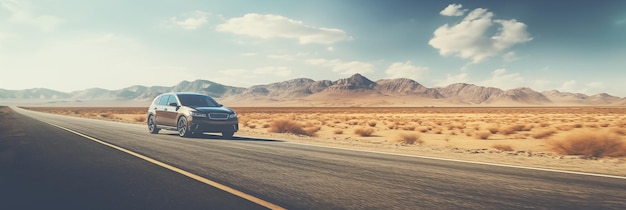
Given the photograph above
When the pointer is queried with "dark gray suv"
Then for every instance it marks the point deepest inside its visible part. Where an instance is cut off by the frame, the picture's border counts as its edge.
(191, 114)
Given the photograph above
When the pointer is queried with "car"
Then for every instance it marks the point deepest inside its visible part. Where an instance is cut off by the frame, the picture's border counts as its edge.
(191, 114)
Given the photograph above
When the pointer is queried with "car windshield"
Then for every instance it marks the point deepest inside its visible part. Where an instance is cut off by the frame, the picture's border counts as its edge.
(197, 101)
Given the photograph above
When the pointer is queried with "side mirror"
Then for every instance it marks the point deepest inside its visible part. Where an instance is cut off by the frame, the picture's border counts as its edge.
(220, 105)
(173, 104)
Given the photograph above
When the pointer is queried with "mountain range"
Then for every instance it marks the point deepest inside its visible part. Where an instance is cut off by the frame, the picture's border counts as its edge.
(356, 90)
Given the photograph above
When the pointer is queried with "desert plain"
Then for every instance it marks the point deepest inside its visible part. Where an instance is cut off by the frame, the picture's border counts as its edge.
(580, 139)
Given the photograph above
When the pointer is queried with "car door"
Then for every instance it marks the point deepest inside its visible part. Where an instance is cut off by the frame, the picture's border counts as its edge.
(160, 111)
(171, 111)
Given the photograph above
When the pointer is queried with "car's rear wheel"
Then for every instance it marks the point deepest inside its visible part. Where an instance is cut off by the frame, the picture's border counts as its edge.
(182, 127)
(228, 134)
(152, 127)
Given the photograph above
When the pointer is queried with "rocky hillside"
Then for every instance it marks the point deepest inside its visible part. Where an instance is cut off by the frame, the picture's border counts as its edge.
(356, 90)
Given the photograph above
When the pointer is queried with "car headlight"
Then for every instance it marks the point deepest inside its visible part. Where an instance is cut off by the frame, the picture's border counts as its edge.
(232, 115)
(198, 114)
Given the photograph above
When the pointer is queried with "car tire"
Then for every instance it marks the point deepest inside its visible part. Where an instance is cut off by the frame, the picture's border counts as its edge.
(152, 127)
(227, 134)
(183, 127)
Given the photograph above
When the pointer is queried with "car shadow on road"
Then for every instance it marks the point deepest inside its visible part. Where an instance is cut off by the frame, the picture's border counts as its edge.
(234, 138)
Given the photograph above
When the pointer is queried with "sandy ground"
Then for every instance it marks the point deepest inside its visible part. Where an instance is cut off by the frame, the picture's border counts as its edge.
(515, 136)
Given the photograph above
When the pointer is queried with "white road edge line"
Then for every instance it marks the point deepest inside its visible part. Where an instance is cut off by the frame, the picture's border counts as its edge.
(180, 171)
(466, 161)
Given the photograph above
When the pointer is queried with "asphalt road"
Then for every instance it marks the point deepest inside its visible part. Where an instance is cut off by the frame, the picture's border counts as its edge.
(45, 166)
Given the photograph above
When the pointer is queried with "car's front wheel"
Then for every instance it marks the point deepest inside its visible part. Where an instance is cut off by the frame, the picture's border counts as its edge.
(152, 127)
(182, 127)
(228, 134)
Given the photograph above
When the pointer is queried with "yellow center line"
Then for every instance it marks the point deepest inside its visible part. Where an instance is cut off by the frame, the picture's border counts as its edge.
(181, 171)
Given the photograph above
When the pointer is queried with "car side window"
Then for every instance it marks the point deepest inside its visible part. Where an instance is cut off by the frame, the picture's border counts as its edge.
(157, 100)
(172, 99)
(164, 99)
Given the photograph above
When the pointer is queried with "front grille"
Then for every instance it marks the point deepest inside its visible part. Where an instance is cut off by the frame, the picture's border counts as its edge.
(218, 116)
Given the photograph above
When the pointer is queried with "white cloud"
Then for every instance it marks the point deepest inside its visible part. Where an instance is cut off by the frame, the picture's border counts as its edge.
(453, 10)
(279, 71)
(405, 70)
(500, 79)
(568, 86)
(330, 49)
(596, 85)
(345, 68)
(286, 57)
(575, 87)
(248, 54)
(90, 60)
(461, 77)
(273, 26)
(509, 57)
(470, 38)
(234, 72)
(21, 13)
(191, 20)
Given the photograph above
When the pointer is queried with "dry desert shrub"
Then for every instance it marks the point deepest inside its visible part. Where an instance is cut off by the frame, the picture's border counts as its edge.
(140, 119)
(482, 135)
(353, 122)
(493, 129)
(591, 144)
(423, 129)
(502, 147)
(364, 132)
(541, 134)
(338, 131)
(564, 127)
(290, 126)
(372, 123)
(408, 128)
(253, 126)
(409, 138)
(108, 115)
(619, 131)
(511, 129)
(438, 131)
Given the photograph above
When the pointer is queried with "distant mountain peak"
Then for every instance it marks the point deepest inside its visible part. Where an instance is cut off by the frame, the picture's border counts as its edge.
(355, 90)
(355, 82)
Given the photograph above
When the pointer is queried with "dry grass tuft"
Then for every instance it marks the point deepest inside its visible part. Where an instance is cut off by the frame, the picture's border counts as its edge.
(364, 132)
(591, 144)
(409, 138)
(541, 134)
(493, 130)
(423, 129)
(290, 126)
(511, 129)
(482, 135)
(140, 119)
(503, 147)
(619, 131)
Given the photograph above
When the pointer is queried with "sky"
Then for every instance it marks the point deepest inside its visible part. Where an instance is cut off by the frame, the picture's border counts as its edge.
(68, 45)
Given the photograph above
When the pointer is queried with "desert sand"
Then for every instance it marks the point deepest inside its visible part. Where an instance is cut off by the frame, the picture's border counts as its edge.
(529, 137)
